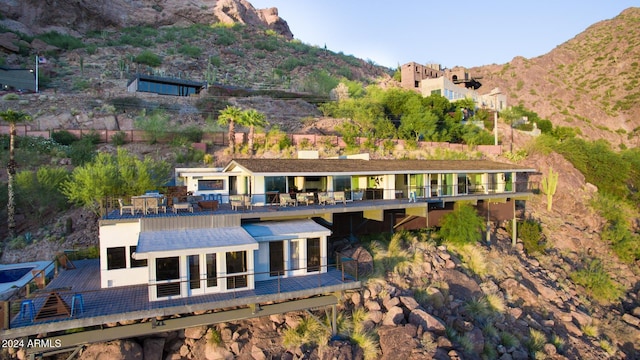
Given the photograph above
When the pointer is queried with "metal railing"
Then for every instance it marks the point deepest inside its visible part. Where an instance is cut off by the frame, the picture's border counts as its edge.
(97, 302)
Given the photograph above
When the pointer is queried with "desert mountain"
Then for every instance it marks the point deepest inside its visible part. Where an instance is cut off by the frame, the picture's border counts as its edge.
(78, 17)
(589, 82)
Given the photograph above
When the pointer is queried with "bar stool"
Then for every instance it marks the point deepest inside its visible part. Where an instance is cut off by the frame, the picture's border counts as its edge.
(78, 298)
(27, 305)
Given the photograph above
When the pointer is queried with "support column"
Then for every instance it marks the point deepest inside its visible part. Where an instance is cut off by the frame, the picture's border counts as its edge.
(334, 321)
(514, 224)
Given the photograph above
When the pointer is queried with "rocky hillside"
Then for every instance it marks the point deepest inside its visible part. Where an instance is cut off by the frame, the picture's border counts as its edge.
(589, 82)
(35, 17)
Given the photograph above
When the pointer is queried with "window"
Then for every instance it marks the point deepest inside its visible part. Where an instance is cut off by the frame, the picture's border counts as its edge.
(116, 258)
(211, 184)
(136, 263)
(275, 183)
(236, 263)
(294, 251)
(313, 254)
(168, 269)
(212, 275)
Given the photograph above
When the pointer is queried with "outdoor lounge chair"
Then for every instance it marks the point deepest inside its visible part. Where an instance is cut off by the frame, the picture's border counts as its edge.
(124, 207)
(303, 198)
(325, 199)
(338, 196)
(285, 199)
(237, 201)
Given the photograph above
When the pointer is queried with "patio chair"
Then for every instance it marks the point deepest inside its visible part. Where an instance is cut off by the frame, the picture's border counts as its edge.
(324, 199)
(302, 198)
(235, 201)
(285, 199)
(139, 204)
(247, 202)
(124, 207)
(338, 196)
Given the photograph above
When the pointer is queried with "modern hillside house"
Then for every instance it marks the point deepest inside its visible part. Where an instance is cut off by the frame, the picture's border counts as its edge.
(287, 212)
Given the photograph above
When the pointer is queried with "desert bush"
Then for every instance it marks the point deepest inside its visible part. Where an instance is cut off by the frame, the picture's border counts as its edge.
(193, 133)
(119, 138)
(530, 231)
(147, 57)
(62, 41)
(82, 151)
(63, 137)
(598, 283)
(190, 50)
(155, 125)
(462, 226)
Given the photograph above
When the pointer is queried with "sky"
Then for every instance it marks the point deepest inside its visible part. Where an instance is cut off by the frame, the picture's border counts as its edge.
(463, 33)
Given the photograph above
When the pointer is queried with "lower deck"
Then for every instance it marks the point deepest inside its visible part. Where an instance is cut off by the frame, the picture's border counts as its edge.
(129, 303)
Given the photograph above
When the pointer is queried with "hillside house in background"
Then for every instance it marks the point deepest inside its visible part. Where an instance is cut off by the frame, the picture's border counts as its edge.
(454, 84)
(165, 85)
(17, 79)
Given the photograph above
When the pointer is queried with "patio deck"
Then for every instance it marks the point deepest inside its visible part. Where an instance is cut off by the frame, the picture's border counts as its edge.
(277, 211)
(102, 306)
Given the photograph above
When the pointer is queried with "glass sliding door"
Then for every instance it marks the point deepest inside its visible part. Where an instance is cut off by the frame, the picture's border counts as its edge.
(294, 254)
(276, 258)
(168, 276)
(463, 183)
(195, 284)
(212, 272)
(313, 254)
(236, 263)
(343, 183)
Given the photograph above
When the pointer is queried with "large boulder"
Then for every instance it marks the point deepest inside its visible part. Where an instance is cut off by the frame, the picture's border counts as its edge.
(118, 349)
(428, 322)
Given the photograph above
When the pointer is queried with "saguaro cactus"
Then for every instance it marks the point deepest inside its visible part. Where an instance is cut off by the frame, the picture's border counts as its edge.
(549, 184)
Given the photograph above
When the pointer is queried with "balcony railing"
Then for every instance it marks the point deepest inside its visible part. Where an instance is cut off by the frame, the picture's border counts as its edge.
(27, 309)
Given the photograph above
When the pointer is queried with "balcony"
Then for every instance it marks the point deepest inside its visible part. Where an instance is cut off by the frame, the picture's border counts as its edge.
(127, 303)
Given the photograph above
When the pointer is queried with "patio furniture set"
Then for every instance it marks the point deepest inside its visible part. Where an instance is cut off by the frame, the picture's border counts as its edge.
(155, 202)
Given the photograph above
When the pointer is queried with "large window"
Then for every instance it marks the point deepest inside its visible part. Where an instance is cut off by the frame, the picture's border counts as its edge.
(313, 254)
(168, 269)
(343, 183)
(275, 183)
(236, 263)
(211, 184)
(136, 263)
(116, 258)
(294, 251)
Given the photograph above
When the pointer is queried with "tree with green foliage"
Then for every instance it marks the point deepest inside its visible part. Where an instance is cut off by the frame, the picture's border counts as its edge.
(417, 122)
(549, 184)
(230, 116)
(253, 118)
(13, 118)
(462, 226)
(111, 176)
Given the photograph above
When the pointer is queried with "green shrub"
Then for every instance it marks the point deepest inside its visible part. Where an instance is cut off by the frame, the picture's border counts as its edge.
(63, 137)
(224, 37)
(462, 226)
(193, 133)
(190, 50)
(82, 151)
(598, 283)
(148, 58)
(155, 125)
(62, 41)
(119, 138)
(530, 231)
(93, 137)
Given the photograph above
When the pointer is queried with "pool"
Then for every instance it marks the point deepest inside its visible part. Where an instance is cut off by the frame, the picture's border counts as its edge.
(11, 275)
(14, 276)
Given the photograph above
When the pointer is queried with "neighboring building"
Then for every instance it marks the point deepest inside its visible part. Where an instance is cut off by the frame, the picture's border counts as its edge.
(165, 85)
(17, 79)
(224, 250)
(454, 84)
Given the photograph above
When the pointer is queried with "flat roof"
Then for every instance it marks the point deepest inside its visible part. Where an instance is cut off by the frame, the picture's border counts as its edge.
(356, 166)
(281, 230)
(183, 241)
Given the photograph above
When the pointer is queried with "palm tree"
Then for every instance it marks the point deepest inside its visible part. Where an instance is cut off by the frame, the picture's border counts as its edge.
(12, 117)
(230, 115)
(253, 118)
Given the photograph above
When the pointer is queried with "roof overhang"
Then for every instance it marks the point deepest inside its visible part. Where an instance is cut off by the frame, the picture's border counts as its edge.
(285, 230)
(153, 244)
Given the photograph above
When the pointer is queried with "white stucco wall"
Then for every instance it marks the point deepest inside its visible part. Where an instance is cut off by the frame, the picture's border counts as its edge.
(115, 235)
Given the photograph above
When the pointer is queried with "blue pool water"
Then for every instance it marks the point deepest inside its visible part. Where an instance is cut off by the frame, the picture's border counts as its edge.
(11, 275)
